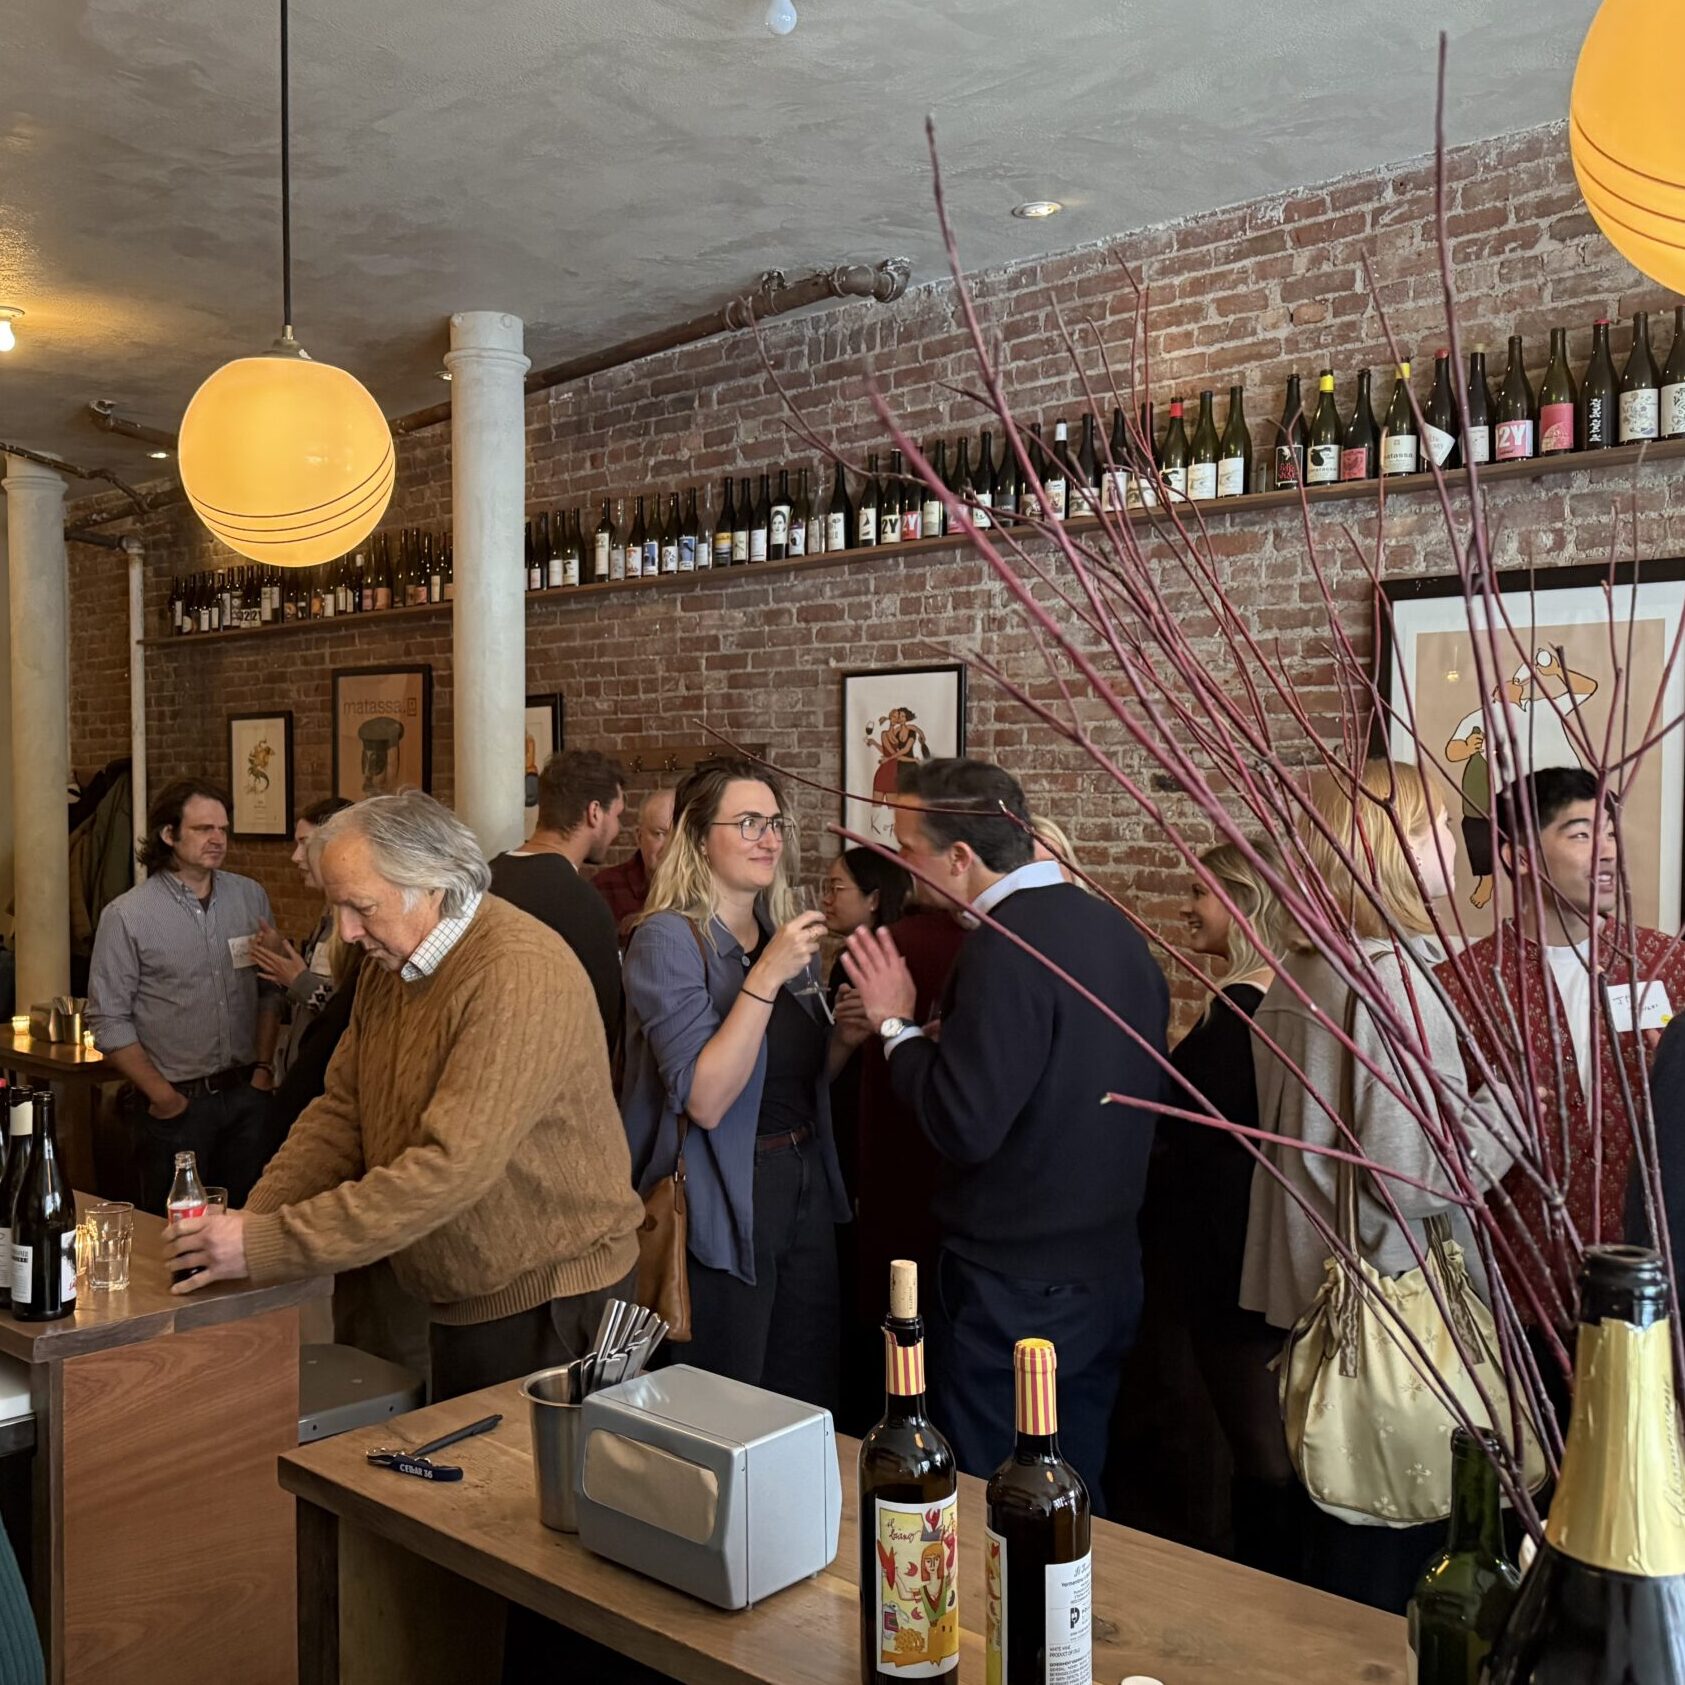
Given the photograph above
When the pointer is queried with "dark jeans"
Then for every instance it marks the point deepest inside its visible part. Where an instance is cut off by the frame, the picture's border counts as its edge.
(975, 1319)
(781, 1333)
(481, 1354)
(1375, 1565)
(230, 1131)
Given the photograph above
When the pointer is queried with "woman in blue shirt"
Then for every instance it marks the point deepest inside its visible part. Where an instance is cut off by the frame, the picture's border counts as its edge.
(725, 1022)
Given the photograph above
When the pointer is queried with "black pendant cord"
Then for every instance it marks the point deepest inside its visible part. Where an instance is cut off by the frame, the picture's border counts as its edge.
(286, 184)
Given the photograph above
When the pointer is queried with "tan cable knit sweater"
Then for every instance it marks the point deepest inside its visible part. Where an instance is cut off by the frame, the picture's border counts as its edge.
(468, 1131)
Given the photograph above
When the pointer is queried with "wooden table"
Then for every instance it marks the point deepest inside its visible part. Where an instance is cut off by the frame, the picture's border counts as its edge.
(75, 1073)
(400, 1583)
(157, 1524)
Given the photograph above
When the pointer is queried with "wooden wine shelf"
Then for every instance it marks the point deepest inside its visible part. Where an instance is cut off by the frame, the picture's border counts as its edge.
(1402, 485)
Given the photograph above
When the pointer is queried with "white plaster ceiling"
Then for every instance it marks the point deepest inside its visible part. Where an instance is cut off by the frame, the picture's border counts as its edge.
(603, 167)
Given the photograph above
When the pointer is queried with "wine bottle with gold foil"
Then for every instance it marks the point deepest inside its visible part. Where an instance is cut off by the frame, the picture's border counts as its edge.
(909, 1515)
(1604, 1601)
(1038, 1574)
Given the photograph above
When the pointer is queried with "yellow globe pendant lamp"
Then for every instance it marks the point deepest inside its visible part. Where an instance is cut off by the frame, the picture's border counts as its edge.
(286, 460)
(1629, 150)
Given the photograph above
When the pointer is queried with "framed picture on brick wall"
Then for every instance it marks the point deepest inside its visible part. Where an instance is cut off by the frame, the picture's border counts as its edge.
(1569, 660)
(382, 731)
(260, 774)
(892, 717)
(544, 739)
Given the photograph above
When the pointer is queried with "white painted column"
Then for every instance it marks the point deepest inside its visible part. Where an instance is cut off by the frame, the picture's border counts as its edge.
(40, 592)
(5, 741)
(489, 624)
(136, 557)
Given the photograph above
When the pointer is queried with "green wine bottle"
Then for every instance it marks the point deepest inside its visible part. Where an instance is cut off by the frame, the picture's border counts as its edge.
(1234, 455)
(1322, 453)
(1558, 400)
(1466, 1592)
(1203, 454)
(1174, 461)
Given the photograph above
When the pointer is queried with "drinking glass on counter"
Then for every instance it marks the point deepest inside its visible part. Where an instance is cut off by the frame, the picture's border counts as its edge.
(111, 1229)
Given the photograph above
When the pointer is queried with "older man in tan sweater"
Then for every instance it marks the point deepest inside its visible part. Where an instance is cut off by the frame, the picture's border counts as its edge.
(468, 1130)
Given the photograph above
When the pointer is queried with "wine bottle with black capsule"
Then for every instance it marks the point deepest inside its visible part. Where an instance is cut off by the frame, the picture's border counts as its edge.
(1673, 380)
(1600, 406)
(1175, 458)
(760, 523)
(1085, 481)
(1360, 443)
(1145, 477)
(839, 517)
(801, 516)
(1029, 501)
(1604, 1600)
(1203, 452)
(743, 523)
(1558, 400)
(1038, 1568)
(1439, 418)
(866, 511)
(672, 536)
(909, 1515)
(1056, 473)
(605, 541)
(636, 541)
(985, 482)
(1641, 384)
(1514, 439)
(1289, 453)
(1114, 486)
(20, 1129)
(932, 512)
(892, 500)
(538, 545)
(1477, 425)
(778, 525)
(1322, 448)
(1234, 453)
(964, 488)
(44, 1228)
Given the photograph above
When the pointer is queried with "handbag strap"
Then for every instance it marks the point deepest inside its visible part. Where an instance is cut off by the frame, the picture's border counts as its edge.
(1349, 1307)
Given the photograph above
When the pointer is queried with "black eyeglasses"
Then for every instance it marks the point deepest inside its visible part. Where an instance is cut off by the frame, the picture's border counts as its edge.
(753, 826)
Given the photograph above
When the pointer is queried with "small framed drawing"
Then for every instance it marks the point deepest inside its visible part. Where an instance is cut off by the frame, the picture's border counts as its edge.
(544, 739)
(893, 717)
(382, 730)
(1573, 658)
(260, 774)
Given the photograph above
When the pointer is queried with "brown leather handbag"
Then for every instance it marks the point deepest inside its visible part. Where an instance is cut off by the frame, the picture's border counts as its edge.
(664, 1234)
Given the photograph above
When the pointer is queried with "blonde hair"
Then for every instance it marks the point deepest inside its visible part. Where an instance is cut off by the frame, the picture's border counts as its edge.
(1255, 901)
(1051, 835)
(1373, 820)
(684, 881)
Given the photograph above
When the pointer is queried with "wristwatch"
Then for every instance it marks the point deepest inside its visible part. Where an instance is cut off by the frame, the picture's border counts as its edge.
(890, 1028)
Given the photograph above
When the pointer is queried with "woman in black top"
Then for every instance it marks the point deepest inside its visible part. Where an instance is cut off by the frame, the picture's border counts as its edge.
(1194, 1221)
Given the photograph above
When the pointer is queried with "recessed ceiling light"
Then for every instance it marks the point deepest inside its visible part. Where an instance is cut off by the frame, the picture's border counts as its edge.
(159, 456)
(1035, 208)
(442, 374)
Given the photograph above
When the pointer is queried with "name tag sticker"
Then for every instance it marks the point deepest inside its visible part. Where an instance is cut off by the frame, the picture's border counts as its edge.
(1654, 1008)
(240, 951)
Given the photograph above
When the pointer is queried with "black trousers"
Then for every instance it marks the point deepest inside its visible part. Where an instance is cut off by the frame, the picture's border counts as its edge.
(230, 1131)
(781, 1333)
(481, 1354)
(976, 1319)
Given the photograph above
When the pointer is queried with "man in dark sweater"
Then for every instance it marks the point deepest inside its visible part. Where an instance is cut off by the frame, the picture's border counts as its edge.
(581, 796)
(1042, 1178)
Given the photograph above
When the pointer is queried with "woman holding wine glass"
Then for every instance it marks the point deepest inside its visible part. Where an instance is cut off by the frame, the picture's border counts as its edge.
(729, 1046)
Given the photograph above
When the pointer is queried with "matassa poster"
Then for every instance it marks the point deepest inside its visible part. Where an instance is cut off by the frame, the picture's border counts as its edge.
(383, 731)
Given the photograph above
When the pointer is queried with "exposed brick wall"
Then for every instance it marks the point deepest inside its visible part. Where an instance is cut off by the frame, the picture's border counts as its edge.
(1249, 294)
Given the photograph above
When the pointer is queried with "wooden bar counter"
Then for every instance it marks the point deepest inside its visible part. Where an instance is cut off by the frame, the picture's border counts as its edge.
(158, 1529)
(401, 1582)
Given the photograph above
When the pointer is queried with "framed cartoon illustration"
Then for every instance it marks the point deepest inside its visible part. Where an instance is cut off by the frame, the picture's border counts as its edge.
(382, 730)
(260, 774)
(893, 717)
(543, 739)
(1568, 665)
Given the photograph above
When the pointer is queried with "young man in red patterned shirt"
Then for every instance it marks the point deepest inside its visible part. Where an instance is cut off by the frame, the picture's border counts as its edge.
(1550, 1008)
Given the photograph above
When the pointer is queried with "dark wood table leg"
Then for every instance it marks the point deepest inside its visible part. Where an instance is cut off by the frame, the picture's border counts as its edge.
(318, 1595)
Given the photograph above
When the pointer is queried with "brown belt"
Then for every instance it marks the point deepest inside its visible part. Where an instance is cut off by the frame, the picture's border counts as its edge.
(765, 1144)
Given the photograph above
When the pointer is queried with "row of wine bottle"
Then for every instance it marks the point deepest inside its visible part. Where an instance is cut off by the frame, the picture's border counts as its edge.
(1038, 1568)
(37, 1211)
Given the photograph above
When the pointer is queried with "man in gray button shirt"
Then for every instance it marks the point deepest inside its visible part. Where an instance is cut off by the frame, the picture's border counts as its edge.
(177, 1005)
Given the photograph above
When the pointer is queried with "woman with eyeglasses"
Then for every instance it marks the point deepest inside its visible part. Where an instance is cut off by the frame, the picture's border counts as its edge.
(727, 1029)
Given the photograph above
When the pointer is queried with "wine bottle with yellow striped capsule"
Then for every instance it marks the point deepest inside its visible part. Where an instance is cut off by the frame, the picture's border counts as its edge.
(909, 1515)
(1038, 1619)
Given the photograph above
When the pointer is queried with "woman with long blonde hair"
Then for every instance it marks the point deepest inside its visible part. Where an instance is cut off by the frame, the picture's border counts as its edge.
(728, 1040)
(1383, 851)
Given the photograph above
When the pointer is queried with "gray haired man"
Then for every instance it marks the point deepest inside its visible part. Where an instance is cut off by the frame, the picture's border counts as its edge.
(468, 1129)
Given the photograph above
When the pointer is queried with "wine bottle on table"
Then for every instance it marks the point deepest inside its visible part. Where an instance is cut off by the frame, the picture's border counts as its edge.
(1203, 452)
(1514, 439)
(1439, 418)
(1322, 448)
(1175, 462)
(1234, 454)
(725, 524)
(866, 511)
(1604, 1601)
(1401, 445)
(1289, 452)
(1558, 400)
(909, 1515)
(1465, 1593)
(1360, 443)
(1038, 1573)
(20, 1128)
(839, 518)
(1477, 427)
(44, 1228)
(1640, 387)
(1673, 381)
(1600, 394)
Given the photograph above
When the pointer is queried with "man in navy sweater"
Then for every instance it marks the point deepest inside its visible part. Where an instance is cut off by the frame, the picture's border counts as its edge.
(1042, 1178)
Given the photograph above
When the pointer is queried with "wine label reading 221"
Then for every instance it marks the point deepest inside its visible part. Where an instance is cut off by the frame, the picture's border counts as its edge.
(918, 1588)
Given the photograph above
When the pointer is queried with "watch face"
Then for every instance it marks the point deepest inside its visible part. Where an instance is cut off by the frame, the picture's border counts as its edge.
(891, 1027)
